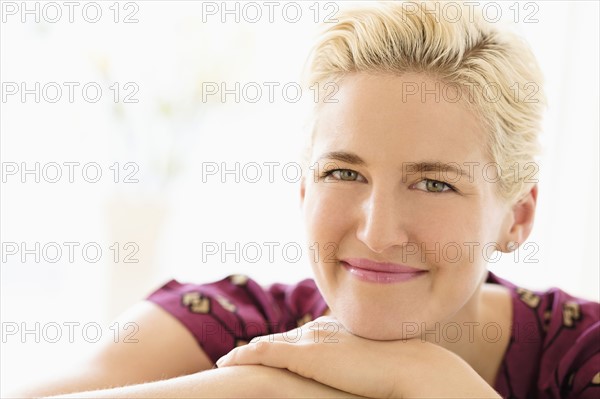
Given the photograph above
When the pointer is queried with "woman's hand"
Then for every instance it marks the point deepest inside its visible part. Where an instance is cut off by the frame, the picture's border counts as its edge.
(325, 352)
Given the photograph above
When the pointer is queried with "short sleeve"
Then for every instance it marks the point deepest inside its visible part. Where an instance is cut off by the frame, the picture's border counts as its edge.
(570, 364)
(230, 312)
(578, 371)
(554, 348)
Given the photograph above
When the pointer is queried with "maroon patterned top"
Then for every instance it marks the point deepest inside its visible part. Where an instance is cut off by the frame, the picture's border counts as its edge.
(554, 350)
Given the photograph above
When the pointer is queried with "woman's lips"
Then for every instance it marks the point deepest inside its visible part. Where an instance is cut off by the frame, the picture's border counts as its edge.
(383, 273)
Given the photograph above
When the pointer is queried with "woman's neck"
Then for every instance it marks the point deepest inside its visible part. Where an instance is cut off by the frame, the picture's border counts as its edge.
(481, 332)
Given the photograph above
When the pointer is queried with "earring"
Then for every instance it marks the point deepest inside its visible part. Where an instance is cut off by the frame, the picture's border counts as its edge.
(511, 246)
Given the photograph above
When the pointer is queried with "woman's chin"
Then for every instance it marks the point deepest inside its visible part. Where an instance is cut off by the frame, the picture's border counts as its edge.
(375, 330)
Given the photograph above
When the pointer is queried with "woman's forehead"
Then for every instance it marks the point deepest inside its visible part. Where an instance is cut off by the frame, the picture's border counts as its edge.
(377, 116)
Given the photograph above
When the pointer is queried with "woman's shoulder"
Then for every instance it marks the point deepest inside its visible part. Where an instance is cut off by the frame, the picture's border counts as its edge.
(552, 310)
(276, 300)
(555, 343)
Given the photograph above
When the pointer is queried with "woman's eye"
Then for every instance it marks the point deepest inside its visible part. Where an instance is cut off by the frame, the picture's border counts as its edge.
(434, 186)
(343, 174)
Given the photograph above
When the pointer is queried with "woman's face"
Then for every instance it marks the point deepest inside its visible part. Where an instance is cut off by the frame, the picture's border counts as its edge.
(385, 205)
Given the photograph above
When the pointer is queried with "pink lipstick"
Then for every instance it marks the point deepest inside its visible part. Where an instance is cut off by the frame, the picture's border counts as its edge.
(383, 273)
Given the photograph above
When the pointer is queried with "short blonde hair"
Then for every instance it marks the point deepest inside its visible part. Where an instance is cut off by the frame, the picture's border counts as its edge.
(494, 68)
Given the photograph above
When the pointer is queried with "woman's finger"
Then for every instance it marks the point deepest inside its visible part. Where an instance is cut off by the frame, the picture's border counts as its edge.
(272, 354)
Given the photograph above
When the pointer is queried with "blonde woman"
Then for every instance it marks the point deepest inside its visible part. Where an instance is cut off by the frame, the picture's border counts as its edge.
(421, 168)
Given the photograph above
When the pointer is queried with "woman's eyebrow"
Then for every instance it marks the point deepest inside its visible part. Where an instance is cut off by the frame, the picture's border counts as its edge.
(407, 167)
(343, 156)
(435, 166)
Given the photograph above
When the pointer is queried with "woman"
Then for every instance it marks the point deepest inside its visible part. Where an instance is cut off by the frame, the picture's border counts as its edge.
(418, 169)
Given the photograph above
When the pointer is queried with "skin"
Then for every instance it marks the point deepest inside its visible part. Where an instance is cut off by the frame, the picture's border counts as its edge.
(375, 209)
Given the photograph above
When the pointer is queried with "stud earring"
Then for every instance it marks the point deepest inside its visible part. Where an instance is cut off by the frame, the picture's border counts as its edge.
(511, 246)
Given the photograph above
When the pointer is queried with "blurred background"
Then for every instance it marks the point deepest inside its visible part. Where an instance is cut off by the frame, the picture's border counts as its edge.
(141, 114)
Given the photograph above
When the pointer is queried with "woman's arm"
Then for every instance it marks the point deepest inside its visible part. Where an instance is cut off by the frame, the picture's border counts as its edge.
(164, 349)
(166, 362)
(231, 382)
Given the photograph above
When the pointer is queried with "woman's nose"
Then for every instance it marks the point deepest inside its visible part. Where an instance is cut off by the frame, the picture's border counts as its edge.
(381, 224)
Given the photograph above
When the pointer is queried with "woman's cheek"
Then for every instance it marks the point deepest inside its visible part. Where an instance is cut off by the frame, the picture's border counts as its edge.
(329, 212)
(329, 222)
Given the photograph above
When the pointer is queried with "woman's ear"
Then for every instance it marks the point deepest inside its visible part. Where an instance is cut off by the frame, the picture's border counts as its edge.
(521, 221)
